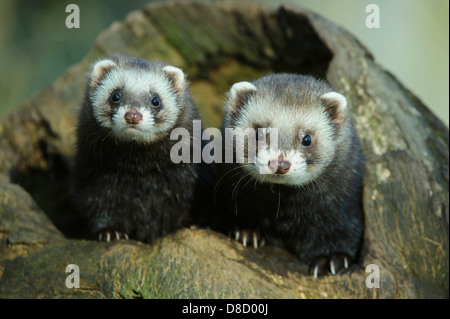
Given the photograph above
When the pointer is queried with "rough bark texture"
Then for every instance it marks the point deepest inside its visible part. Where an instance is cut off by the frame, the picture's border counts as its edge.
(405, 188)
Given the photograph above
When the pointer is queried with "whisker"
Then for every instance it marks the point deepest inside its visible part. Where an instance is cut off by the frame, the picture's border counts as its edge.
(279, 202)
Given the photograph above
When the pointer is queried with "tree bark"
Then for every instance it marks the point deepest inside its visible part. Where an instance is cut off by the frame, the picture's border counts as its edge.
(405, 197)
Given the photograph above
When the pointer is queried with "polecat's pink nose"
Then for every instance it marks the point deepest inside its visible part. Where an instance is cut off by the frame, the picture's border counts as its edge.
(283, 167)
(133, 117)
(280, 166)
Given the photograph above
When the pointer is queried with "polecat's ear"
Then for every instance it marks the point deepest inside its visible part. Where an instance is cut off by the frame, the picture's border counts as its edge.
(336, 106)
(239, 95)
(176, 76)
(99, 71)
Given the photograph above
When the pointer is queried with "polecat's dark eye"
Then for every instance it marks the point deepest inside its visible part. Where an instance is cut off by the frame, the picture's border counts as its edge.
(155, 101)
(115, 97)
(306, 141)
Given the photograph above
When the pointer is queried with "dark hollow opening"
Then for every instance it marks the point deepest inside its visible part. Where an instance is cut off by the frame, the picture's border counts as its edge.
(51, 189)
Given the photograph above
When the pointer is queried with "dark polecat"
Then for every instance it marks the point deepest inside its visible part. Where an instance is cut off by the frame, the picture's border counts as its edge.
(124, 181)
(310, 202)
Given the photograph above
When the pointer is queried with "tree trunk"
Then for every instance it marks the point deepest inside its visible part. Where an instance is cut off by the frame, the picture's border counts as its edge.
(405, 186)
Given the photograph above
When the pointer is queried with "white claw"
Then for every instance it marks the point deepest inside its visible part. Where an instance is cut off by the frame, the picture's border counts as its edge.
(316, 270)
(345, 262)
(117, 235)
(100, 236)
(255, 240)
(333, 270)
(244, 241)
(126, 236)
(236, 235)
(108, 237)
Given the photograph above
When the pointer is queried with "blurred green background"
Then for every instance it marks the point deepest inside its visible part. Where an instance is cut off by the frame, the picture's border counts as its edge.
(412, 42)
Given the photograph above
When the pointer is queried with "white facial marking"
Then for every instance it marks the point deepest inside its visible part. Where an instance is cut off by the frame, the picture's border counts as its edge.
(291, 121)
(142, 132)
(296, 175)
(136, 83)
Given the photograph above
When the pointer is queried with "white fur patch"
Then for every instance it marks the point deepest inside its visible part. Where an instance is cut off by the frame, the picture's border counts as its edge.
(142, 132)
(297, 174)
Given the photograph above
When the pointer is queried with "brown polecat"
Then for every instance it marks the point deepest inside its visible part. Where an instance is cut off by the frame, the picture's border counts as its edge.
(124, 181)
(305, 195)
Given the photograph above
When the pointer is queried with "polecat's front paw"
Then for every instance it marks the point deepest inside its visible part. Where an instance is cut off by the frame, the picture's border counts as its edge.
(334, 264)
(248, 237)
(108, 235)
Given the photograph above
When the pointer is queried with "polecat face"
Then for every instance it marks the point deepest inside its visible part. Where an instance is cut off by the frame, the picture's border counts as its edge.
(305, 114)
(137, 100)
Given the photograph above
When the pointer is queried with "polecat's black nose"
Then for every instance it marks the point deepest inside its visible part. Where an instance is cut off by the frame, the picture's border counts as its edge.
(133, 117)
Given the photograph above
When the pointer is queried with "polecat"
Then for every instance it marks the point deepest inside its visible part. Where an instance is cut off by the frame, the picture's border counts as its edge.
(124, 181)
(310, 201)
